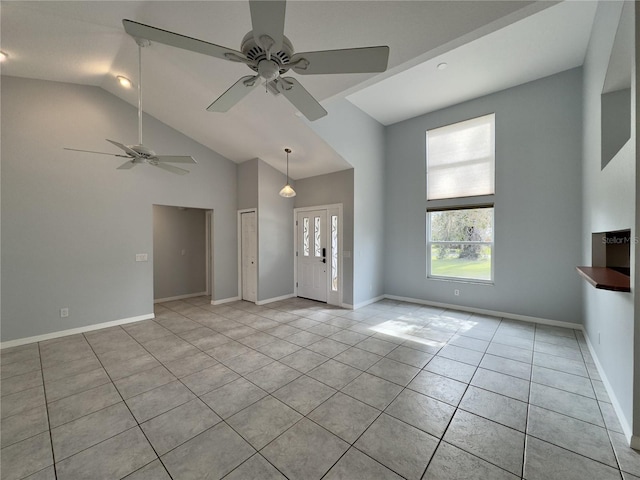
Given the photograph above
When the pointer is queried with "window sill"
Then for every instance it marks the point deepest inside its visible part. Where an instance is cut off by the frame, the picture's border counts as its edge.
(604, 278)
(461, 280)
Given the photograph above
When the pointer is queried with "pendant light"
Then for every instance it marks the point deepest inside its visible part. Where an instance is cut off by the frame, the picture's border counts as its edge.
(287, 191)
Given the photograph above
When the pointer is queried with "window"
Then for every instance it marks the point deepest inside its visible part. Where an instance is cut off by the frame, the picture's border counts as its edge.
(334, 253)
(305, 236)
(460, 189)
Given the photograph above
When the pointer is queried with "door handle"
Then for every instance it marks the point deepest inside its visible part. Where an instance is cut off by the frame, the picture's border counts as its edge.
(324, 260)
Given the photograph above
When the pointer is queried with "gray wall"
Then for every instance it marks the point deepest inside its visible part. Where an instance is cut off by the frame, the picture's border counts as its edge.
(609, 198)
(259, 185)
(179, 251)
(275, 235)
(248, 184)
(616, 122)
(72, 223)
(326, 190)
(537, 202)
(636, 254)
(360, 140)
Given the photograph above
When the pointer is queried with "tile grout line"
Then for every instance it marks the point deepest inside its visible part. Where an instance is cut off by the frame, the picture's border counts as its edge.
(46, 406)
(457, 407)
(333, 358)
(132, 416)
(609, 436)
(526, 419)
(225, 420)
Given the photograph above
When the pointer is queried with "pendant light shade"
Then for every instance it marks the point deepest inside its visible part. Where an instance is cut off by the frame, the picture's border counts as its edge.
(287, 191)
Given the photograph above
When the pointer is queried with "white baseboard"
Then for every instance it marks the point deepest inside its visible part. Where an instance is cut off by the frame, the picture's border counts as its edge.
(225, 300)
(275, 299)
(348, 306)
(179, 297)
(73, 331)
(493, 313)
(624, 423)
(368, 302)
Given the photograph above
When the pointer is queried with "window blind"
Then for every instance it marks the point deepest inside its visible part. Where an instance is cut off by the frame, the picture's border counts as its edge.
(461, 159)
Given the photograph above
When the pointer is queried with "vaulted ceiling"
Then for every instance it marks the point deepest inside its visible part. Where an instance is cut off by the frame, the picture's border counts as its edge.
(84, 42)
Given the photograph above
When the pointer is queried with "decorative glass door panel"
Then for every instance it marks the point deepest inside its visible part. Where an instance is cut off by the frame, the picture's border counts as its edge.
(312, 255)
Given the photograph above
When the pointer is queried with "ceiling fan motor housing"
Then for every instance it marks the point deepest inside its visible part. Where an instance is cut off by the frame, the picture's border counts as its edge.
(256, 54)
(143, 151)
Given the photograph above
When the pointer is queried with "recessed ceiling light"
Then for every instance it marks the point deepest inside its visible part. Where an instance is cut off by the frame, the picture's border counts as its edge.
(3, 56)
(124, 81)
(442, 66)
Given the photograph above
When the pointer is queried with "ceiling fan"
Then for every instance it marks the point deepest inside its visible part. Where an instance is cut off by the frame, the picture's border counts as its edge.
(270, 54)
(137, 154)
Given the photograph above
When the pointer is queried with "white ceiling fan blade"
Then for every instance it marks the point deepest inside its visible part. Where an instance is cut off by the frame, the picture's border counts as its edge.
(267, 20)
(175, 158)
(300, 98)
(128, 150)
(127, 165)
(349, 60)
(139, 30)
(92, 151)
(234, 94)
(171, 168)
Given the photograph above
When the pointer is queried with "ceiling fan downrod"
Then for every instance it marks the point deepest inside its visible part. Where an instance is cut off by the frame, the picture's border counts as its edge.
(141, 43)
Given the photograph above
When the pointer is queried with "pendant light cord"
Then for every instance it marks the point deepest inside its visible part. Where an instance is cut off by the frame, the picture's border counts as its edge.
(288, 150)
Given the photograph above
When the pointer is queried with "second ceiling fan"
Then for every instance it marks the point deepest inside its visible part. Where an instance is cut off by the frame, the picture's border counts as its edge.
(270, 54)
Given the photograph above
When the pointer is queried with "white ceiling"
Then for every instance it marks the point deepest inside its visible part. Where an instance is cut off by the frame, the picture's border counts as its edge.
(543, 44)
(84, 42)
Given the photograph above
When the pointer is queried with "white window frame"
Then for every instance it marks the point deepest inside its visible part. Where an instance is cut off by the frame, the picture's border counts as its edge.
(459, 203)
(430, 243)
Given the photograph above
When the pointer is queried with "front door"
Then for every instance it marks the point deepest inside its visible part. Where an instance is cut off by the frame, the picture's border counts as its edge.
(312, 254)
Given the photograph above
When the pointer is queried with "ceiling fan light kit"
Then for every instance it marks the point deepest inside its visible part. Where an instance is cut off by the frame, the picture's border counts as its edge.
(124, 81)
(137, 154)
(287, 191)
(270, 54)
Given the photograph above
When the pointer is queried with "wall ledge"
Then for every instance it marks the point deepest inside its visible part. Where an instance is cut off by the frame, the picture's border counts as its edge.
(180, 297)
(225, 300)
(493, 313)
(366, 302)
(624, 423)
(275, 299)
(73, 331)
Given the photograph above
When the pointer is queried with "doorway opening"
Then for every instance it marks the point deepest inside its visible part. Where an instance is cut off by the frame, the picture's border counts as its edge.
(182, 252)
(318, 253)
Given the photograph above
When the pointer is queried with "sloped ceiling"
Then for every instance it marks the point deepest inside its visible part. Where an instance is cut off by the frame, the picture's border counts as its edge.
(84, 42)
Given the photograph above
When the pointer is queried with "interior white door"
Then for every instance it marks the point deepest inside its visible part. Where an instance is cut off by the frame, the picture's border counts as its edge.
(249, 254)
(312, 254)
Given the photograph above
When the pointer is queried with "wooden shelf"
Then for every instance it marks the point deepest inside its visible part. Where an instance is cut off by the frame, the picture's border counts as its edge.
(606, 278)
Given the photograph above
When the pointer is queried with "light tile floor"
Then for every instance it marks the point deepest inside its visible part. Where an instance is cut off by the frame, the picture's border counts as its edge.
(300, 390)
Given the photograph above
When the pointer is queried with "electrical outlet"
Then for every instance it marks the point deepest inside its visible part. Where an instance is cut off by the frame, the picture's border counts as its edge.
(64, 312)
(142, 257)
(456, 292)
